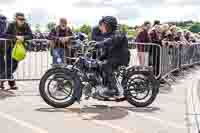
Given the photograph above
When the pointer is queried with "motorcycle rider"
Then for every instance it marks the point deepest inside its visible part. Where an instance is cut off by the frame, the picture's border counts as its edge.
(116, 53)
(96, 35)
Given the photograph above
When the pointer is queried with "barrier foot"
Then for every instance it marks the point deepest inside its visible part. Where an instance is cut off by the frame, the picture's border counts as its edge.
(165, 81)
(172, 77)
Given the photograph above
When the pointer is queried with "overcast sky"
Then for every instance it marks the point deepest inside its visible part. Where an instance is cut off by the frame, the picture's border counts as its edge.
(131, 12)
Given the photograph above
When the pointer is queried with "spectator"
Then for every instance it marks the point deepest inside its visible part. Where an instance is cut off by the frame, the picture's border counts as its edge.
(3, 21)
(163, 29)
(143, 37)
(156, 22)
(169, 37)
(60, 43)
(137, 29)
(192, 38)
(180, 38)
(154, 53)
(155, 35)
(17, 30)
(173, 30)
(187, 35)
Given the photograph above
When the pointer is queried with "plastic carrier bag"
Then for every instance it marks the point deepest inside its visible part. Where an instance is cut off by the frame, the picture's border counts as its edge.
(19, 51)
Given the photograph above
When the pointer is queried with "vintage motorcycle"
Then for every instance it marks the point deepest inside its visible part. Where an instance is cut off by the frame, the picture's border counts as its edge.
(62, 86)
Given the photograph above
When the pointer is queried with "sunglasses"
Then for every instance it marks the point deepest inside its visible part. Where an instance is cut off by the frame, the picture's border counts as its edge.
(63, 25)
(21, 19)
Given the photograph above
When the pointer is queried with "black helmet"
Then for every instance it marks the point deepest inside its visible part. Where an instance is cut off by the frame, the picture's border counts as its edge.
(110, 21)
(19, 14)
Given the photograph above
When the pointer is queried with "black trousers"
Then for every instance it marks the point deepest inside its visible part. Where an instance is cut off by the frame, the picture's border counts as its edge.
(154, 59)
(7, 66)
(107, 73)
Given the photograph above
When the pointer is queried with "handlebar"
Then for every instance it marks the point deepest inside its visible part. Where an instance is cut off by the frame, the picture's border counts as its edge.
(91, 42)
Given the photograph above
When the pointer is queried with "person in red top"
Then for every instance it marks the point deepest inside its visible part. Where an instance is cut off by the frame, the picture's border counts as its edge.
(143, 37)
(155, 35)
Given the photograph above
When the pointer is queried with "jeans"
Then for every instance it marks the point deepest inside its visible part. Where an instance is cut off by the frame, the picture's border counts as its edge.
(2, 65)
(7, 66)
(58, 55)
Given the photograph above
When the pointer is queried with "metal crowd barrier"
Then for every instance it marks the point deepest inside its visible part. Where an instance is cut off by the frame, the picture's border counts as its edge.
(163, 59)
(31, 68)
(190, 55)
(39, 58)
(170, 59)
(146, 54)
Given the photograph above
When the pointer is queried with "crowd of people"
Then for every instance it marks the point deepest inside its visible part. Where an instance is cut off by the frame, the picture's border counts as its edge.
(163, 34)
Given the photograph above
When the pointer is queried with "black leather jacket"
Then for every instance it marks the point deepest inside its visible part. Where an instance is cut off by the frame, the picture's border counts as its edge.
(116, 48)
(96, 34)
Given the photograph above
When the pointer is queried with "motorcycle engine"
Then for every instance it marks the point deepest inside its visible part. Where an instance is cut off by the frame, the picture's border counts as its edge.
(93, 77)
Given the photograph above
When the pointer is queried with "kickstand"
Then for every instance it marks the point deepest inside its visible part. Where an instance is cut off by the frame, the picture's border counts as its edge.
(172, 77)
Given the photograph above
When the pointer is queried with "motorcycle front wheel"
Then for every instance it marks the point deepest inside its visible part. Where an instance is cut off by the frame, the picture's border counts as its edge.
(58, 87)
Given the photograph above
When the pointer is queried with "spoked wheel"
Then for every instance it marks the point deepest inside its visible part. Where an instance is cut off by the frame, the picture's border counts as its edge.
(60, 87)
(57, 88)
(141, 89)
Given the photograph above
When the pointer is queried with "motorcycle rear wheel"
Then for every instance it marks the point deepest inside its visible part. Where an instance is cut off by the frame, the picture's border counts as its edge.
(140, 82)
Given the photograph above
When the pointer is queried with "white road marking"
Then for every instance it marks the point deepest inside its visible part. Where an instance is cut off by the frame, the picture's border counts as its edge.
(23, 123)
(193, 106)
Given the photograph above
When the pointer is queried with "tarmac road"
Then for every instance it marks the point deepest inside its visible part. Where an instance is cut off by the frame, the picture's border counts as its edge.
(176, 110)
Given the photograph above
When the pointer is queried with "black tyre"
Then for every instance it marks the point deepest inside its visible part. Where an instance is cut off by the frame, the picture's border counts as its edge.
(66, 85)
(141, 82)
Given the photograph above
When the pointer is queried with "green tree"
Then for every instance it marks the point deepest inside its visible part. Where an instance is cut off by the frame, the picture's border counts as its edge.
(195, 28)
(123, 28)
(76, 30)
(131, 33)
(51, 25)
(37, 28)
(86, 29)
